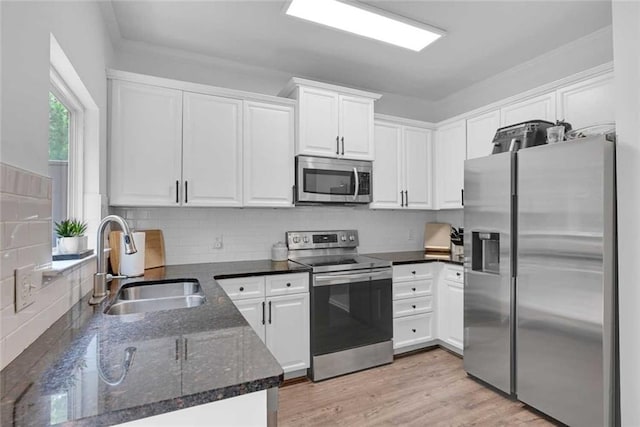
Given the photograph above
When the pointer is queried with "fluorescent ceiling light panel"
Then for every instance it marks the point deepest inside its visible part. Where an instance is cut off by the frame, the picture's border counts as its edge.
(362, 20)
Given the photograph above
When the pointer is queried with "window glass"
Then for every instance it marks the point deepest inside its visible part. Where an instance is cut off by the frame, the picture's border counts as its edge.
(59, 117)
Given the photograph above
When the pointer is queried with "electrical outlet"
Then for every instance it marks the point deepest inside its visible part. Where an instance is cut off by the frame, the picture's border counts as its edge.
(217, 244)
(26, 285)
(412, 235)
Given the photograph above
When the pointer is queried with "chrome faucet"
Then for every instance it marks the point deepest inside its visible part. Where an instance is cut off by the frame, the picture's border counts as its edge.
(101, 277)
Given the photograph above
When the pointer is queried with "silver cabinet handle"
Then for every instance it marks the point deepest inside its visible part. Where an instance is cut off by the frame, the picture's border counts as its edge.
(337, 145)
(355, 193)
(186, 192)
(269, 312)
(338, 279)
(406, 197)
(343, 145)
(402, 199)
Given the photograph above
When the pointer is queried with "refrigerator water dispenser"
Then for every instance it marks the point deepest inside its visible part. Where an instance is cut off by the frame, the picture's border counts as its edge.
(485, 250)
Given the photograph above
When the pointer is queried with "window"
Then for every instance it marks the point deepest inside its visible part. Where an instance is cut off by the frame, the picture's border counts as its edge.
(66, 116)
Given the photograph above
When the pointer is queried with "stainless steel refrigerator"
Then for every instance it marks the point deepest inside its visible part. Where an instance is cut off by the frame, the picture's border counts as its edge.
(540, 278)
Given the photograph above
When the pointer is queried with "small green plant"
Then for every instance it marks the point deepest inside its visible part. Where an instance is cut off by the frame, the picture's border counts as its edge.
(70, 228)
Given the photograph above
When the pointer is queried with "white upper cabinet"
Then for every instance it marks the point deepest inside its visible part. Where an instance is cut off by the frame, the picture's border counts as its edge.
(211, 151)
(356, 128)
(418, 169)
(387, 173)
(450, 155)
(541, 107)
(268, 154)
(145, 145)
(318, 122)
(402, 171)
(587, 103)
(480, 132)
(181, 147)
(333, 121)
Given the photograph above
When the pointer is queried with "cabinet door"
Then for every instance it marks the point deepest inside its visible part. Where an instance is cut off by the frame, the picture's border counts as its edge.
(453, 314)
(317, 122)
(288, 330)
(145, 145)
(268, 154)
(254, 312)
(212, 151)
(480, 132)
(356, 128)
(418, 168)
(387, 167)
(541, 107)
(450, 156)
(587, 103)
(222, 347)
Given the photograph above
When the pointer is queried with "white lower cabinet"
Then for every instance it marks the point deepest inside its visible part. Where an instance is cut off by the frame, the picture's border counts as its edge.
(277, 308)
(428, 306)
(451, 307)
(413, 322)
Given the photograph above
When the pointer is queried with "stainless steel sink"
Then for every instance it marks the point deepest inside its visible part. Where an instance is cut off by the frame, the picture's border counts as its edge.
(144, 297)
(160, 289)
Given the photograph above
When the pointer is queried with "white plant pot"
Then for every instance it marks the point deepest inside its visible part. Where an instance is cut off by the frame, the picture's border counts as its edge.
(70, 245)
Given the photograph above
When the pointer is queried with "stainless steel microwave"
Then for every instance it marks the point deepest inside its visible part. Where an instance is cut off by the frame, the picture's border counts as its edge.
(324, 180)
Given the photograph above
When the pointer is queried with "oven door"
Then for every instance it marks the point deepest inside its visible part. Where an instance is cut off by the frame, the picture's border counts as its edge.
(350, 310)
(320, 180)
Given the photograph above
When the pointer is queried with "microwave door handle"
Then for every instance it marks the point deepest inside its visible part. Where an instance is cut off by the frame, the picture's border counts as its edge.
(355, 193)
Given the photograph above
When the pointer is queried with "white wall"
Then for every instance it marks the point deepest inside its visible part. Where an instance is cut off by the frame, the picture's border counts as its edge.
(25, 42)
(581, 54)
(171, 63)
(190, 233)
(626, 37)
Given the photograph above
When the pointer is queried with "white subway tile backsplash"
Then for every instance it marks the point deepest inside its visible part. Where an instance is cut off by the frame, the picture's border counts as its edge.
(25, 238)
(7, 293)
(9, 207)
(249, 233)
(8, 263)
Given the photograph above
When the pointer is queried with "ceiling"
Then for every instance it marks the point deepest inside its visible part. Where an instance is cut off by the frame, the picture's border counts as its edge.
(483, 38)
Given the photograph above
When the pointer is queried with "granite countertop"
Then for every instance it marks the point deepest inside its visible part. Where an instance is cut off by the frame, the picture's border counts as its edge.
(410, 257)
(181, 358)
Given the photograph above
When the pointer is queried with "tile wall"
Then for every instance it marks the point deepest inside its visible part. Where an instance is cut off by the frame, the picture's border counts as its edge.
(249, 233)
(25, 238)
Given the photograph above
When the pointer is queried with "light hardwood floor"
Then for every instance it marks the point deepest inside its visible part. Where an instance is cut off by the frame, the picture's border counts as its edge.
(424, 389)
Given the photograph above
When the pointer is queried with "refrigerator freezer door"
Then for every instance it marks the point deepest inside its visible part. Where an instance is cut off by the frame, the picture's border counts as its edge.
(488, 275)
(564, 283)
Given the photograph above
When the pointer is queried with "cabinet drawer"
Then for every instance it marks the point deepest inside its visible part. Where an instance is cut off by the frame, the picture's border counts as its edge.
(412, 330)
(415, 288)
(412, 272)
(455, 274)
(243, 287)
(411, 306)
(284, 284)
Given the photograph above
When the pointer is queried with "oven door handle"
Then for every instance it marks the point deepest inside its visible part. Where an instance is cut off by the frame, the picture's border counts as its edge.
(339, 279)
(355, 193)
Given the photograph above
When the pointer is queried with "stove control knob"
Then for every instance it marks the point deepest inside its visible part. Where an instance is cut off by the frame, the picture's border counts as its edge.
(306, 239)
(343, 238)
(352, 238)
(296, 239)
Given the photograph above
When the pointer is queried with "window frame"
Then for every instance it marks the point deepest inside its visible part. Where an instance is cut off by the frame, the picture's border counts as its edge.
(75, 180)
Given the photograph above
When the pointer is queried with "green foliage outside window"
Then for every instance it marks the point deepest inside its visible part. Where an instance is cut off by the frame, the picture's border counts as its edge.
(58, 130)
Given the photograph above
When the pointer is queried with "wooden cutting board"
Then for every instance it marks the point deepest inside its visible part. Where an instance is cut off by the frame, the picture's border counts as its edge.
(153, 249)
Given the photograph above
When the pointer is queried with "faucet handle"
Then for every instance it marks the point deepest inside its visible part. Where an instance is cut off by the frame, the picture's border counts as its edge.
(110, 277)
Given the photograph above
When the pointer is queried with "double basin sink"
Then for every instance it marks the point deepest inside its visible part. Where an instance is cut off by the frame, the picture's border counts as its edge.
(148, 296)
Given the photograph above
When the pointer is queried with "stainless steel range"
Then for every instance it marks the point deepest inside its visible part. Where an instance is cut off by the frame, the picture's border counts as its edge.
(351, 308)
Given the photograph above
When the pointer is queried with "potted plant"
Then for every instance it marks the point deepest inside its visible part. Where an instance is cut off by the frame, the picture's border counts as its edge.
(71, 238)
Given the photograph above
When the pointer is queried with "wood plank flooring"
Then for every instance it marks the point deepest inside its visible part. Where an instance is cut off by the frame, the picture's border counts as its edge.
(424, 389)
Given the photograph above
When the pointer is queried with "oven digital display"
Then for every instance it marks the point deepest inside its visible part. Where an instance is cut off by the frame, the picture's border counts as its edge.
(325, 238)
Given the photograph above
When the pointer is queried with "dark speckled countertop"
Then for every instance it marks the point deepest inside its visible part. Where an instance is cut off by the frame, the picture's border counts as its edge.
(410, 257)
(182, 358)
